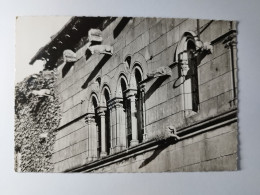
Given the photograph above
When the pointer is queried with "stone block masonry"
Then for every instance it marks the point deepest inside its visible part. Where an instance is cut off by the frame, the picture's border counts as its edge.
(115, 117)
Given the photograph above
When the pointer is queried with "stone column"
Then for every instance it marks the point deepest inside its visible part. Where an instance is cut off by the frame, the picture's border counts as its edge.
(92, 136)
(145, 138)
(112, 126)
(131, 95)
(120, 126)
(117, 124)
(101, 114)
(231, 43)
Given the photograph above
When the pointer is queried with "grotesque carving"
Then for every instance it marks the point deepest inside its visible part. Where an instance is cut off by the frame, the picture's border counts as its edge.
(95, 38)
(171, 132)
(69, 56)
(95, 35)
(207, 47)
(101, 49)
(159, 72)
(183, 60)
(184, 68)
(204, 47)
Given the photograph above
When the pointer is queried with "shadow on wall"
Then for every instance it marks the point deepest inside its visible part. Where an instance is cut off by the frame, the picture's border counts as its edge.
(154, 87)
(66, 68)
(96, 70)
(121, 25)
(156, 152)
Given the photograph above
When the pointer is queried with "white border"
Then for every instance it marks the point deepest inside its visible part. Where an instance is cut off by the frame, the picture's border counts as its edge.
(245, 181)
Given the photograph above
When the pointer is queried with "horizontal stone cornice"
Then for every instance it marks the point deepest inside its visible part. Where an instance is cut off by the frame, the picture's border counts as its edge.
(184, 133)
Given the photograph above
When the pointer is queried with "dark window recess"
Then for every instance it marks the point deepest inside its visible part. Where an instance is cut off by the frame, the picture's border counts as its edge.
(193, 75)
(127, 108)
(139, 106)
(140, 121)
(107, 121)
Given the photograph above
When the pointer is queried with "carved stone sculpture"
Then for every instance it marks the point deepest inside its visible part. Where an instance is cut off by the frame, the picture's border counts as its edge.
(184, 68)
(95, 38)
(159, 72)
(206, 47)
(171, 131)
(101, 49)
(95, 35)
(69, 56)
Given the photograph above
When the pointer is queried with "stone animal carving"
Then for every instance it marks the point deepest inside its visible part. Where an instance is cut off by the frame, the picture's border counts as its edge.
(69, 56)
(171, 130)
(95, 35)
(41, 93)
(161, 71)
(101, 49)
(95, 38)
(206, 46)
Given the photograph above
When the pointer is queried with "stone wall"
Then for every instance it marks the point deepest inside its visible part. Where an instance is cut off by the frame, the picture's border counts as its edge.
(212, 151)
(153, 42)
(37, 115)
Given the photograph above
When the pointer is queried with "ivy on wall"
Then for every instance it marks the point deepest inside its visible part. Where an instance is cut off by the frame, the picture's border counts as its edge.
(37, 115)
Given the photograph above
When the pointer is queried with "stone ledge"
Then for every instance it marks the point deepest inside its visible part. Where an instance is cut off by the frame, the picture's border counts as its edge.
(192, 130)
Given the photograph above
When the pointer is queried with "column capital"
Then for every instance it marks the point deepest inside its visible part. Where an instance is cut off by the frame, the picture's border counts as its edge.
(90, 117)
(142, 87)
(101, 110)
(115, 102)
(230, 41)
(130, 92)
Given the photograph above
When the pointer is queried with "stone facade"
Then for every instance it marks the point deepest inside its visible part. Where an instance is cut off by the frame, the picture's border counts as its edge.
(162, 97)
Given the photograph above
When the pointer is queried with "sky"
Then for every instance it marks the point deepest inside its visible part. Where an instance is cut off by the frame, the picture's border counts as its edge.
(32, 33)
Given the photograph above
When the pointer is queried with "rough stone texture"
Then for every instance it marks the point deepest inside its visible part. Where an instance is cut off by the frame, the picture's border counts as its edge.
(36, 117)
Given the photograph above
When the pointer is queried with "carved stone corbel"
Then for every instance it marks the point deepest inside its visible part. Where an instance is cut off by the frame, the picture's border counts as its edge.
(94, 44)
(69, 56)
(101, 49)
(204, 47)
(159, 72)
(95, 35)
(171, 132)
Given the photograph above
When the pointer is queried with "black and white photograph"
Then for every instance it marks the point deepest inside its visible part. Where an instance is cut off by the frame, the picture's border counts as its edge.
(125, 94)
